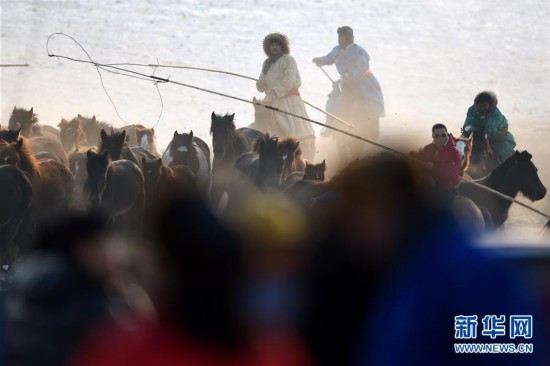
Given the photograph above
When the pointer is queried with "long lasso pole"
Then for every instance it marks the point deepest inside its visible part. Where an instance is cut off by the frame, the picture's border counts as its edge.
(250, 78)
(14, 65)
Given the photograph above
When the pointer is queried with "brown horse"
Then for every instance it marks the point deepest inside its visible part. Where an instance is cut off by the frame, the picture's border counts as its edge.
(147, 140)
(52, 182)
(288, 148)
(15, 201)
(23, 119)
(117, 187)
(92, 129)
(464, 147)
(71, 134)
(48, 145)
(516, 174)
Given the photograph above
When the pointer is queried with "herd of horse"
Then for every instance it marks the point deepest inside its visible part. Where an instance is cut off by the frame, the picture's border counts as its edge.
(45, 171)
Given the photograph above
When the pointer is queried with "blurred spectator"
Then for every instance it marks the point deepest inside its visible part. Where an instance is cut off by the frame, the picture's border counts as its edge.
(59, 292)
(395, 270)
(199, 320)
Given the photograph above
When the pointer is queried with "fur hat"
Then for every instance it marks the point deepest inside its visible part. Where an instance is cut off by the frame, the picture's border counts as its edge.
(345, 30)
(276, 37)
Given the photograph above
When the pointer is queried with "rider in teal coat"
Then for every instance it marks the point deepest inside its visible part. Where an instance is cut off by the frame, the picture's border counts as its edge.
(484, 114)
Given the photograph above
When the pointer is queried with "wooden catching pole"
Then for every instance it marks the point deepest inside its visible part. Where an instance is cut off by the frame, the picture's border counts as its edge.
(250, 78)
(14, 65)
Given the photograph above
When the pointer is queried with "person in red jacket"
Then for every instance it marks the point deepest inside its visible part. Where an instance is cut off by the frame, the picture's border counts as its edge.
(444, 161)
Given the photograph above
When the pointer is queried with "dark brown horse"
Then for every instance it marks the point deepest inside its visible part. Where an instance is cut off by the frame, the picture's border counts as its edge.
(517, 174)
(228, 144)
(192, 152)
(15, 203)
(115, 144)
(303, 187)
(118, 188)
(263, 167)
(10, 135)
(315, 171)
(23, 119)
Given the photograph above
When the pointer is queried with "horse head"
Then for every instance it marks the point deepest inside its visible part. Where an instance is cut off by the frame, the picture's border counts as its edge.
(10, 135)
(270, 165)
(9, 152)
(146, 138)
(23, 119)
(525, 175)
(464, 147)
(151, 173)
(182, 145)
(286, 151)
(222, 129)
(315, 171)
(71, 134)
(113, 143)
(97, 166)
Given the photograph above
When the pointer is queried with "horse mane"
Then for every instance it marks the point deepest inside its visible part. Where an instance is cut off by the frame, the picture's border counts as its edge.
(467, 156)
(19, 110)
(289, 142)
(261, 142)
(27, 160)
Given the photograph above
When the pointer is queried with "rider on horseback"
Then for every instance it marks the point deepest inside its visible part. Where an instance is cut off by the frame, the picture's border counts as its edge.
(485, 119)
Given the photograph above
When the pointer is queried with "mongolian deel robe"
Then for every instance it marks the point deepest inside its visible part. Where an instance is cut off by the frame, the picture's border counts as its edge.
(281, 88)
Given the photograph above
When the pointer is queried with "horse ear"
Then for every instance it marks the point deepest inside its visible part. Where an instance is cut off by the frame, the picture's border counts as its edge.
(191, 133)
(18, 133)
(105, 155)
(103, 135)
(175, 133)
(14, 108)
(93, 119)
(123, 134)
(18, 145)
(213, 115)
(233, 116)
(153, 129)
(32, 108)
(324, 164)
(89, 153)
(79, 116)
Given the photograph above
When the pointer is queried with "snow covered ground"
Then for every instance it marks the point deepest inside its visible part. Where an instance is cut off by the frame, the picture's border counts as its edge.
(431, 58)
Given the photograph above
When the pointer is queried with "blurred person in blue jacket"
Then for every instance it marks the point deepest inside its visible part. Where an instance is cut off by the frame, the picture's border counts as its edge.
(394, 271)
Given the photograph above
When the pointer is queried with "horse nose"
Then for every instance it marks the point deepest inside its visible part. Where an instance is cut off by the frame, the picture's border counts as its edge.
(543, 193)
